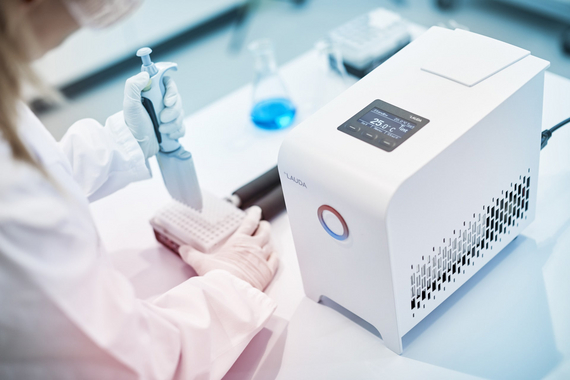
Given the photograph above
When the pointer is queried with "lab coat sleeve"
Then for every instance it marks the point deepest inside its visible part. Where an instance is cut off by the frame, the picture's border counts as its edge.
(67, 313)
(224, 321)
(103, 159)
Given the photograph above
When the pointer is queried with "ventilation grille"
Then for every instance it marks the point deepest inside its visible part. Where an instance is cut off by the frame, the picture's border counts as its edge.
(466, 246)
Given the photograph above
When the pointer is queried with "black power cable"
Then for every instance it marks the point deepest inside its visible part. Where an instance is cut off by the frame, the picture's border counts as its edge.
(547, 133)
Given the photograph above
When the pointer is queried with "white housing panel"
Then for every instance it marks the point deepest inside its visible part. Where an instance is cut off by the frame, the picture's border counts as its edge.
(422, 215)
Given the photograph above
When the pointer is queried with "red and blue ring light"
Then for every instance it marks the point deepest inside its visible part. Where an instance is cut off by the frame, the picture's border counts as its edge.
(320, 211)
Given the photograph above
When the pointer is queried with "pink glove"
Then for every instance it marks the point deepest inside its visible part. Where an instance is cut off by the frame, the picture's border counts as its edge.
(248, 254)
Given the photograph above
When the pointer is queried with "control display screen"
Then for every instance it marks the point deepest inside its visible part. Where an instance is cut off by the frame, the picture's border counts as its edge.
(387, 123)
(383, 125)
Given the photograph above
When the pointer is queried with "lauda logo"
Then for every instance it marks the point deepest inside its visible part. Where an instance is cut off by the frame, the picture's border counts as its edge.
(415, 118)
(296, 180)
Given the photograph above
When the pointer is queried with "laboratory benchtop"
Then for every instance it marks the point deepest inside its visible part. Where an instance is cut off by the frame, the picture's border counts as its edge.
(510, 320)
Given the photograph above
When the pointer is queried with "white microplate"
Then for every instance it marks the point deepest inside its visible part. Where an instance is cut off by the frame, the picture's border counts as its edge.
(203, 230)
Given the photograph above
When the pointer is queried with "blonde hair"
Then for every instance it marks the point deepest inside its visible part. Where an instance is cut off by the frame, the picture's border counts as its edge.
(15, 70)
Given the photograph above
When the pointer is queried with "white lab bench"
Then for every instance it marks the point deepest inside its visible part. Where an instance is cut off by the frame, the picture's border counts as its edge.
(511, 320)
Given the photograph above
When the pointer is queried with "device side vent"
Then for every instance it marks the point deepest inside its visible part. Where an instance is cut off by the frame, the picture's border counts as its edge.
(464, 248)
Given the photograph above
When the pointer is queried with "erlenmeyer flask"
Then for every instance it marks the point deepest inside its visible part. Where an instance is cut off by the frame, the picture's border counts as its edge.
(330, 75)
(272, 107)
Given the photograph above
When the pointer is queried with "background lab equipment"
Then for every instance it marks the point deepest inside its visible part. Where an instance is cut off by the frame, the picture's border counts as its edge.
(176, 163)
(368, 40)
(264, 191)
(330, 75)
(402, 188)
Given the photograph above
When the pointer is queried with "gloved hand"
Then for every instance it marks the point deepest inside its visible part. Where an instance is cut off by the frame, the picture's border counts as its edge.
(248, 253)
(138, 120)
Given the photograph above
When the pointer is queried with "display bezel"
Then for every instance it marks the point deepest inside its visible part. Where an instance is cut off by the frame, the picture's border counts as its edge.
(376, 138)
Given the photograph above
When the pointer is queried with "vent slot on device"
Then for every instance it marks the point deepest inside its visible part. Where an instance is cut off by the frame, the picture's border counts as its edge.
(466, 246)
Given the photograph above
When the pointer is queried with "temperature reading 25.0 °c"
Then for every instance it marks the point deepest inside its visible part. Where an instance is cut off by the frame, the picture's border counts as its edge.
(377, 123)
(387, 123)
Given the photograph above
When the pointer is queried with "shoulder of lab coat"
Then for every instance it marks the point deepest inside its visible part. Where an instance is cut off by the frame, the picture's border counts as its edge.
(67, 313)
(104, 159)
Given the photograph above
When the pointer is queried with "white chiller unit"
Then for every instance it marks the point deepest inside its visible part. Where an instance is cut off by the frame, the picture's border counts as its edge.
(404, 186)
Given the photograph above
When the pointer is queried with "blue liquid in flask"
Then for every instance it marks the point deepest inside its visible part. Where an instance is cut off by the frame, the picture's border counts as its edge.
(274, 113)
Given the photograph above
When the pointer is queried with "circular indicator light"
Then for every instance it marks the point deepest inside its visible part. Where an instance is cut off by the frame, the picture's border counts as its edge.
(333, 222)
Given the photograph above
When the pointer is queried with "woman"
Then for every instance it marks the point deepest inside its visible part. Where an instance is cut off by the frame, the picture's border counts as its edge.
(65, 312)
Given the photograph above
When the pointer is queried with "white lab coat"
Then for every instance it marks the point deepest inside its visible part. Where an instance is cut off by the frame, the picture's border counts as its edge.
(65, 312)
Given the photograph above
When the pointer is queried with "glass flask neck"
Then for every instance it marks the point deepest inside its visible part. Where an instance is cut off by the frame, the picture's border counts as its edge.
(264, 57)
(264, 64)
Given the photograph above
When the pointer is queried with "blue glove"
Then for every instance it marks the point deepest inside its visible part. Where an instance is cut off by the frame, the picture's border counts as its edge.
(137, 119)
